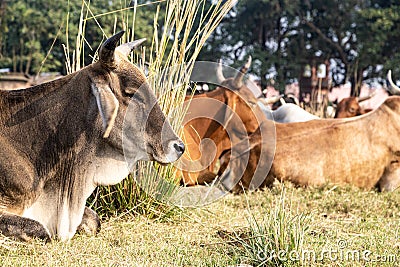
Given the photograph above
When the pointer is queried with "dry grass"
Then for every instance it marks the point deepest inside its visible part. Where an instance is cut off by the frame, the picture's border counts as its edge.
(365, 220)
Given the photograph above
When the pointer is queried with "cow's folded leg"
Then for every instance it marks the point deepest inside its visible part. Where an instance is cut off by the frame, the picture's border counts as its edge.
(90, 224)
(23, 229)
(390, 179)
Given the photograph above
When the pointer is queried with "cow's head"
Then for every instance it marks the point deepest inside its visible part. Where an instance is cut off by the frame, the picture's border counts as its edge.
(349, 107)
(131, 118)
(242, 100)
(284, 99)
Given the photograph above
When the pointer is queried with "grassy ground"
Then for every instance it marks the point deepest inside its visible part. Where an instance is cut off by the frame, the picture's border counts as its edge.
(339, 223)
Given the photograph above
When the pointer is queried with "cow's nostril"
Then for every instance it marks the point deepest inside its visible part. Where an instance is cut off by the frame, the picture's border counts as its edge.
(179, 147)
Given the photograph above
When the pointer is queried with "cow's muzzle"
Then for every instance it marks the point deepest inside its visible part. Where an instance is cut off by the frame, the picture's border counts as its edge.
(175, 150)
(179, 147)
(171, 152)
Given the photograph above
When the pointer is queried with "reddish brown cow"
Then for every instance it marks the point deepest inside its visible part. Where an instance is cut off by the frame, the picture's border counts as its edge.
(350, 107)
(363, 151)
(215, 120)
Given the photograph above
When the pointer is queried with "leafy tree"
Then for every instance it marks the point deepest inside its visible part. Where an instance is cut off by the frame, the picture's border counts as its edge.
(35, 30)
(29, 30)
(3, 4)
(354, 34)
(359, 37)
(261, 28)
(379, 41)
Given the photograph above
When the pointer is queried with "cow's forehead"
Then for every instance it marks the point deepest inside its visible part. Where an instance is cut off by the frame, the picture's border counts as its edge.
(131, 70)
(130, 74)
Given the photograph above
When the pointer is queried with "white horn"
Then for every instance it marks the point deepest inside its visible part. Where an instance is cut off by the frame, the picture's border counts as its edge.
(364, 98)
(220, 75)
(273, 99)
(238, 80)
(395, 89)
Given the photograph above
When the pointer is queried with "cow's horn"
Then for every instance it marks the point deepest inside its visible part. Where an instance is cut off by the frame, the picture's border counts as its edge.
(126, 49)
(238, 81)
(364, 98)
(106, 54)
(273, 99)
(220, 75)
(395, 89)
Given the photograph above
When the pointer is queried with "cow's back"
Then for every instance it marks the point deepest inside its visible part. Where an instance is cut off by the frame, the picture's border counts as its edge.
(322, 151)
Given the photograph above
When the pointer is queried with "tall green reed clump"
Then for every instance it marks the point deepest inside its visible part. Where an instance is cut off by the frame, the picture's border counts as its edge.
(277, 239)
(169, 62)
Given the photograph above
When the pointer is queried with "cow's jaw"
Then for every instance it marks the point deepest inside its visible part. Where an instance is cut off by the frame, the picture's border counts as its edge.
(108, 168)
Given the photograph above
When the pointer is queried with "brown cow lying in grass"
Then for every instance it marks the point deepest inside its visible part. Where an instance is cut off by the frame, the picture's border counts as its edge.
(223, 117)
(363, 151)
(61, 139)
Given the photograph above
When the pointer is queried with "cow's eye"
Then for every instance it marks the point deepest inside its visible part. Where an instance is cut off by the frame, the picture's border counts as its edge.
(130, 91)
(138, 98)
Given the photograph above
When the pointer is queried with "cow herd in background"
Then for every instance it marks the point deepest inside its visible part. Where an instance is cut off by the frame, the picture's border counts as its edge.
(290, 144)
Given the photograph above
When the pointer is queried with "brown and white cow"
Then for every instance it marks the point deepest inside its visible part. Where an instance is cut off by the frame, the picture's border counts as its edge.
(214, 122)
(61, 139)
(363, 151)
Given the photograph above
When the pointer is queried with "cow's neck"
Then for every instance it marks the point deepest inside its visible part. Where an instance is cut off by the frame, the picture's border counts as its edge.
(385, 120)
(62, 114)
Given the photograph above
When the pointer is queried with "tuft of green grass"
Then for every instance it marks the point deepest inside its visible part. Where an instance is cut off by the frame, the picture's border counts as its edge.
(170, 64)
(269, 241)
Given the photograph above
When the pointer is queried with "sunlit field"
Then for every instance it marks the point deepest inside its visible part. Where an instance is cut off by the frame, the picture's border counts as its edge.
(341, 227)
(279, 226)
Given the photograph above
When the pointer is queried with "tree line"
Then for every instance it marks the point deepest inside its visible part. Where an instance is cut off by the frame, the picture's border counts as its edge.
(36, 34)
(360, 38)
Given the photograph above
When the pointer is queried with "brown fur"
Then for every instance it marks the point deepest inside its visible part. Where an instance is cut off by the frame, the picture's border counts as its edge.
(60, 139)
(349, 107)
(362, 151)
(218, 105)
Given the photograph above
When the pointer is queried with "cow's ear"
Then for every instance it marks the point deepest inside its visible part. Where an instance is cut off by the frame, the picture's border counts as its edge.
(108, 106)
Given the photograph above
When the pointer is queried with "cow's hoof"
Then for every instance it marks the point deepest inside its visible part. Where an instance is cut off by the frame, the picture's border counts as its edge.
(90, 224)
(22, 229)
